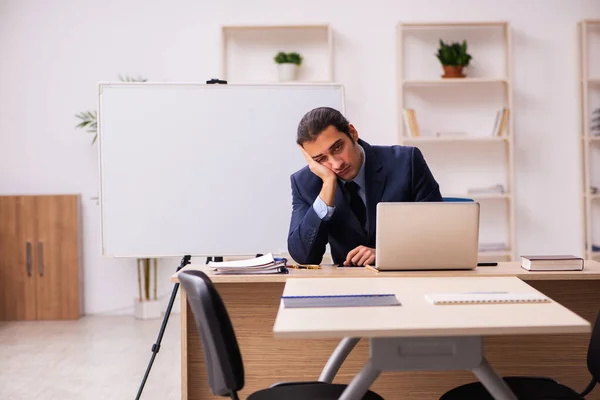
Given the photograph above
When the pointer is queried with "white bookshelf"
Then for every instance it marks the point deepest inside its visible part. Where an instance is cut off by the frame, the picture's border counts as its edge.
(589, 89)
(473, 157)
(247, 52)
(452, 81)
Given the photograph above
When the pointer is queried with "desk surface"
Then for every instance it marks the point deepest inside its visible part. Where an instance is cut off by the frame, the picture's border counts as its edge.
(416, 317)
(591, 270)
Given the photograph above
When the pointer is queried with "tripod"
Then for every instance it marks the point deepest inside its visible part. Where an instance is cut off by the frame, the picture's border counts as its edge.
(156, 346)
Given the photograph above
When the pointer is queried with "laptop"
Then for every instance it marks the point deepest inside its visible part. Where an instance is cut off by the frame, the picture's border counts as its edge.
(427, 236)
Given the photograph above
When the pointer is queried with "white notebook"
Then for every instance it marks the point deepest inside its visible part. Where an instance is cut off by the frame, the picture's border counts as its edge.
(485, 298)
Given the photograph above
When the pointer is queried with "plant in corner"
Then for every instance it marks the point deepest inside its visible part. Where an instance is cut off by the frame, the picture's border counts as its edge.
(288, 64)
(454, 58)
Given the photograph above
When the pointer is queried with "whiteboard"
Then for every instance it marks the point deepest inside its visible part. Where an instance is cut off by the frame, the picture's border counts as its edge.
(201, 170)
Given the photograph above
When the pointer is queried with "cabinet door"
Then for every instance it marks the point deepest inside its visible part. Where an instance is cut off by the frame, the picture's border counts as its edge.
(57, 257)
(17, 238)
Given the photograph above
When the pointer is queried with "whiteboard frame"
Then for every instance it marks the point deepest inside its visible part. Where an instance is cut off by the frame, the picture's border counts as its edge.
(105, 84)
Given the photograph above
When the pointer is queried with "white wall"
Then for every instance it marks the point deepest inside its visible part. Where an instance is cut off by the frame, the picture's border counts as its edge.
(52, 53)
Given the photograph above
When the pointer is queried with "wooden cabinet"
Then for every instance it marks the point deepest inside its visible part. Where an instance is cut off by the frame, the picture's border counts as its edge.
(39, 257)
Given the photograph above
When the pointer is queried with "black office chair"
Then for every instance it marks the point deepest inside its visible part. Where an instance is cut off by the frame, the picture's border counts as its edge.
(538, 388)
(222, 355)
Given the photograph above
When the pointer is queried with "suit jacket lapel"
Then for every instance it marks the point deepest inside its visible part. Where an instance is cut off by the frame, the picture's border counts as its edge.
(375, 182)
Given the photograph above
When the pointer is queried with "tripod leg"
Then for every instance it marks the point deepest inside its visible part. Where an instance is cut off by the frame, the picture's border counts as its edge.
(156, 346)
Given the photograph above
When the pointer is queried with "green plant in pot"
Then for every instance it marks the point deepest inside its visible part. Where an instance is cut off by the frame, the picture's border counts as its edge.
(288, 64)
(454, 58)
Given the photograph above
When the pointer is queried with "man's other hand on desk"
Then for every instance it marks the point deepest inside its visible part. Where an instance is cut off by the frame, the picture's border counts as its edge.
(360, 256)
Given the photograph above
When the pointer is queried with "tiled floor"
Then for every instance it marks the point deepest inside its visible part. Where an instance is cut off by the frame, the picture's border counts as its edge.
(95, 358)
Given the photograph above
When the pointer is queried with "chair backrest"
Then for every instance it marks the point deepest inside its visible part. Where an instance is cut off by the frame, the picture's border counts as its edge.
(222, 355)
(457, 199)
(593, 355)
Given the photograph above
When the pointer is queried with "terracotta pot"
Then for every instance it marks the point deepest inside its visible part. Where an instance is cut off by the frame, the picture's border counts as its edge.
(453, 71)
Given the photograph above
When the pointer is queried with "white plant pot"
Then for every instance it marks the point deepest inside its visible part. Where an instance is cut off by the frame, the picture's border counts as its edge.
(287, 72)
(149, 309)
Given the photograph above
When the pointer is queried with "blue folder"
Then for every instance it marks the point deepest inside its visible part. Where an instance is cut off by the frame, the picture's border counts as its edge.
(349, 300)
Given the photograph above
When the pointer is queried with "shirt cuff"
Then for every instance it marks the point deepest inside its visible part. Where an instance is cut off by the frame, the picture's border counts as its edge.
(323, 211)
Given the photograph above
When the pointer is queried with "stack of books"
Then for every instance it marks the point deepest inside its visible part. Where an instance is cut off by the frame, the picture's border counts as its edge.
(266, 264)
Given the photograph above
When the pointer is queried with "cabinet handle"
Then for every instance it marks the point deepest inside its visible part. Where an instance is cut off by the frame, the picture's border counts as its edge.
(41, 258)
(28, 258)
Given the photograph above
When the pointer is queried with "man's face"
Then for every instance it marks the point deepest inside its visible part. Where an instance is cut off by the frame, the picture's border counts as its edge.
(336, 151)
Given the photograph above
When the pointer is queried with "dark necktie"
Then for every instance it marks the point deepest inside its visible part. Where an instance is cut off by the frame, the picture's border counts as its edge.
(356, 203)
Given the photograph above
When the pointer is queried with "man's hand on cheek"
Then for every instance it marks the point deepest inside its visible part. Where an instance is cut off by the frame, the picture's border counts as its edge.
(317, 168)
(360, 256)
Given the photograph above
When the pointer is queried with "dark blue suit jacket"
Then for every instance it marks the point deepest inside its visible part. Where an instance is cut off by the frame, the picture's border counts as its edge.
(392, 173)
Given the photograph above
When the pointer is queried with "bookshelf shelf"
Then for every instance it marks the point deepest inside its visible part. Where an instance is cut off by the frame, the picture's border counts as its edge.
(453, 81)
(247, 52)
(497, 255)
(589, 90)
(420, 139)
(467, 106)
(454, 25)
(482, 196)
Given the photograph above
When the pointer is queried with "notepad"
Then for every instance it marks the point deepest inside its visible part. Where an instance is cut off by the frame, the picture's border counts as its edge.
(485, 298)
(353, 300)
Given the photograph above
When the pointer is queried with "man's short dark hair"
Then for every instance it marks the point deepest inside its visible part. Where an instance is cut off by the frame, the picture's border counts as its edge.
(317, 120)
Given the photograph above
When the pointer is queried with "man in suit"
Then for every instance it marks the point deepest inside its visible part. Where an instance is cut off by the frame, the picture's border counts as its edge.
(334, 198)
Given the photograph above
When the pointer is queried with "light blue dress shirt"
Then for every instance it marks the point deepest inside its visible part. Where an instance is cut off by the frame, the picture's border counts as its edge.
(324, 211)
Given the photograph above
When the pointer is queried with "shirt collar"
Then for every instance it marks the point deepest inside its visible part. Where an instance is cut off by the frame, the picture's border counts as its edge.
(360, 177)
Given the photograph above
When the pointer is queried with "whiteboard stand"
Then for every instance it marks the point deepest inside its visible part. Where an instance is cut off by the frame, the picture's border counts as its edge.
(156, 346)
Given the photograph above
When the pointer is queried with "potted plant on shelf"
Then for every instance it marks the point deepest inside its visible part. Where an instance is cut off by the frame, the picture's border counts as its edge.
(288, 64)
(454, 58)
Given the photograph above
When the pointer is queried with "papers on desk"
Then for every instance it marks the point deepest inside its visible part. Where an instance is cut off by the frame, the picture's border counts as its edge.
(266, 264)
(484, 298)
(349, 300)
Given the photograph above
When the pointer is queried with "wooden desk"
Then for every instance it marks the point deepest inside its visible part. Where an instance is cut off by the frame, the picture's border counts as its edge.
(419, 336)
(253, 301)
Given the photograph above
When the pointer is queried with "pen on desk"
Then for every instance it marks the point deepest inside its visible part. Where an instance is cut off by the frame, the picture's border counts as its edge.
(371, 268)
(305, 266)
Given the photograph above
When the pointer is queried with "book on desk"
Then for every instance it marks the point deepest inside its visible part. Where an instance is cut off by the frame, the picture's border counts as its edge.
(552, 263)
